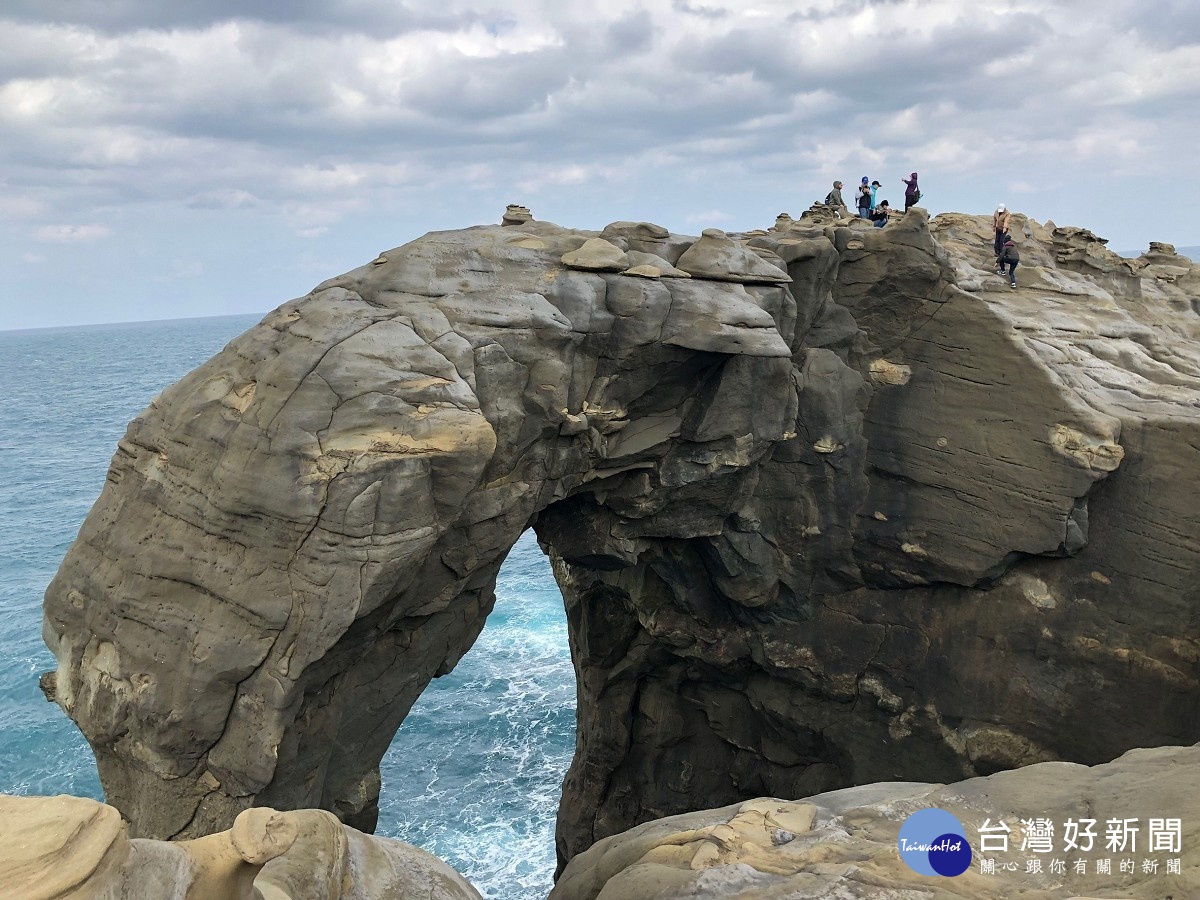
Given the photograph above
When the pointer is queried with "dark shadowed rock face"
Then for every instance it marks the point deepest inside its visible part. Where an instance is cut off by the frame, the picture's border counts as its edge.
(888, 519)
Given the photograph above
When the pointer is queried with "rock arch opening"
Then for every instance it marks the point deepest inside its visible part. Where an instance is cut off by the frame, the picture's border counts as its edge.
(475, 771)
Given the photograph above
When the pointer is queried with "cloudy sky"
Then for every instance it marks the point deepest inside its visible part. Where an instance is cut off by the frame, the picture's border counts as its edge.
(164, 159)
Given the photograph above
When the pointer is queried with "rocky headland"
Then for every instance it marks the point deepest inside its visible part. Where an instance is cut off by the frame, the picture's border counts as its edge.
(828, 505)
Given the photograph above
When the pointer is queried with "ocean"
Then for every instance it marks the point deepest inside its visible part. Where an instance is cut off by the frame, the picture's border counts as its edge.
(474, 773)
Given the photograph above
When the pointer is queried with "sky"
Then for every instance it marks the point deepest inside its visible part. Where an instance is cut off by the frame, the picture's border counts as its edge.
(163, 160)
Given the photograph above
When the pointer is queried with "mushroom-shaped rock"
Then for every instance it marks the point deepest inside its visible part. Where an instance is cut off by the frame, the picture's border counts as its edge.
(718, 257)
(641, 231)
(515, 214)
(597, 255)
(648, 238)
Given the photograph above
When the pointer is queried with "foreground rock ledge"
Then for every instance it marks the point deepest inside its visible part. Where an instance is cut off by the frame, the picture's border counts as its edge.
(69, 847)
(843, 844)
(828, 505)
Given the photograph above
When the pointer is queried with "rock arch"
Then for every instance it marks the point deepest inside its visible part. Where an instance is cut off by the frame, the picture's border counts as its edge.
(779, 549)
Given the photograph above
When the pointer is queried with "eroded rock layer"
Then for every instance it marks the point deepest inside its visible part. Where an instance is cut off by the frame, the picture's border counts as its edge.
(69, 848)
(844, 844)
(828, 505)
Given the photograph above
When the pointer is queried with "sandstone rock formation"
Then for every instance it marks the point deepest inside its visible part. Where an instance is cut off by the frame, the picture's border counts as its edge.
(844, 844)
(56, 848)
(838, 507)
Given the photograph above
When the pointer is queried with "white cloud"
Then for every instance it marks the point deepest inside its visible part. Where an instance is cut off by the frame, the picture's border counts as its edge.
(708, 218)
(182, 270)
(310, 115)
(72, 234)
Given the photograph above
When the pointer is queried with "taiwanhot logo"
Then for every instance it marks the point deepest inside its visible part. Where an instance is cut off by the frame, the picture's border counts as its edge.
(932, 842)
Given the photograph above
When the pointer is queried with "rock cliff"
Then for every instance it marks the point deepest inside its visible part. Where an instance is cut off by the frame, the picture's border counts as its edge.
(828, 505)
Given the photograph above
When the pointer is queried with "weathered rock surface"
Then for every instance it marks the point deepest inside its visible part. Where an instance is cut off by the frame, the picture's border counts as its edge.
(69, 847)
(888, 519)
(844, 844)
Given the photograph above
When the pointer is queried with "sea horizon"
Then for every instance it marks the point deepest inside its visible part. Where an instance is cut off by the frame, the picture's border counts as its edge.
(123, 322)
(1191, 252)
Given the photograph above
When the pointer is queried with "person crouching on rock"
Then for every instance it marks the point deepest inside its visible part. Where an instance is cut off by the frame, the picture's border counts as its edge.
(863, 195)
(879, 215)
(1000, 222)
(1009, 257)
(834, 199)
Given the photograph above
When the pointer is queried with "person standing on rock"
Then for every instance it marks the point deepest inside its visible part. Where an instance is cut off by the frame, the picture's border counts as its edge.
(834, 198)
(912, 193)
(875, 186)
(863, 195)
(1000, 222)
(1009, 257)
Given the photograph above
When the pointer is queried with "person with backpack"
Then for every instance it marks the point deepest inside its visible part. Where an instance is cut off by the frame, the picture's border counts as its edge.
(912, 193)
(834, 198)
(1000, 222)
(1009, 257)
(863, 196)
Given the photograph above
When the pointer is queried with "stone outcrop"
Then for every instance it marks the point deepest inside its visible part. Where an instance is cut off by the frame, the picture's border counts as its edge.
(838, 507)
(844, 844)
(56, 848)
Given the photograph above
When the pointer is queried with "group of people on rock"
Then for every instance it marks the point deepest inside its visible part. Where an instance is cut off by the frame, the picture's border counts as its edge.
(865, 199)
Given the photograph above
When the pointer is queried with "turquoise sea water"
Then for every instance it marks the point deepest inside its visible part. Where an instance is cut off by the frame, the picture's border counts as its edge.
(474, 773)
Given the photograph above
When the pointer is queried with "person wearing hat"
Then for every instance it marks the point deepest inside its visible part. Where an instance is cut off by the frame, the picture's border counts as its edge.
(834, 198)
(863, 195)
(912, 193)
(875, 186)
(879, 215)
(1010, 257)
(1000, 222)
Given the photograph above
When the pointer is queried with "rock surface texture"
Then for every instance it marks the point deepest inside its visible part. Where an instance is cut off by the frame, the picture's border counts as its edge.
(844, 844)
(57, 848)
(828, 505)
